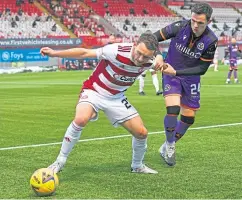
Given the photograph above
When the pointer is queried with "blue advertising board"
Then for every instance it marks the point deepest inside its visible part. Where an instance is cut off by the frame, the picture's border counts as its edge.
(22, 55)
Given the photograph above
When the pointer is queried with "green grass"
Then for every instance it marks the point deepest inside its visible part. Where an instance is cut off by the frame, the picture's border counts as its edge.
(37, 108)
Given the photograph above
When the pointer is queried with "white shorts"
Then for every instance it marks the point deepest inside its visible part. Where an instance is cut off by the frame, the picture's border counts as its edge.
(118, 110)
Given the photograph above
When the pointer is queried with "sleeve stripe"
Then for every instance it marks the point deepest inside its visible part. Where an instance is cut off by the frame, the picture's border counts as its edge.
(162, 35)
(208, 60)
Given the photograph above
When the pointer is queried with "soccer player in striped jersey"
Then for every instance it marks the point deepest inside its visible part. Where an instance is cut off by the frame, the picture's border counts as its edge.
(119, 66)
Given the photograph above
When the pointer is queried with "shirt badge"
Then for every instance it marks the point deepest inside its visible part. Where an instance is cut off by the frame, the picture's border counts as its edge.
(200, 46)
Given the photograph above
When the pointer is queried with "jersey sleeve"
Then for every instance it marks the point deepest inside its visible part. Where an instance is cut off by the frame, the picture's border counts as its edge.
(208, 55)
(107, 52)
(169, 31)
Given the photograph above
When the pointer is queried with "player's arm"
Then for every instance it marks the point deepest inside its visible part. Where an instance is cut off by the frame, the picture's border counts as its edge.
(226, 52)
(169, 31)
(203, 64)
(239, 53)
(159, 61)
(69, 53)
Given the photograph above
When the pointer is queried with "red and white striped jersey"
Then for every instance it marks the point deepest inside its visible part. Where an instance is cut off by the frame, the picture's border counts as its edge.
(115, 72)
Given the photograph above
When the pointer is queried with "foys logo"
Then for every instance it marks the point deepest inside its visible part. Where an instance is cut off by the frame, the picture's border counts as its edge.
(5, 56)
(124, 78)
(186, 51)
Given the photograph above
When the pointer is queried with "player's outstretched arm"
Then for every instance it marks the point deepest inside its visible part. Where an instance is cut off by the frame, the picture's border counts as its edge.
(69, 53)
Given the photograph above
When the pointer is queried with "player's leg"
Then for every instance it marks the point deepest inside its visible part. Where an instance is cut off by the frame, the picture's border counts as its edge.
(190, 102)
(172, 92)
(142, 83)
(236, 80)
(84, 112)
(167, 150)
(229, 74)
(139, 144)
(121, 112)
(186, 120)
(215, 65)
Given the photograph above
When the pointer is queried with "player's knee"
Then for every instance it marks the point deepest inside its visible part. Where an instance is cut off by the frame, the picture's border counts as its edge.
(187, 120)
(141, 133)
(81, 121)
(173, 110)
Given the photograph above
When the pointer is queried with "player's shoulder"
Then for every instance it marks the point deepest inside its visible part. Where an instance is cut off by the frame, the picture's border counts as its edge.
(210, 35)
(124, 44)
(180, 23)
(124, 47)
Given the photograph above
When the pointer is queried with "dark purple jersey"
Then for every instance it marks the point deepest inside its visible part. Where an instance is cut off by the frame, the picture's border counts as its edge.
(185, 49)
(233, 51)
(190, 56)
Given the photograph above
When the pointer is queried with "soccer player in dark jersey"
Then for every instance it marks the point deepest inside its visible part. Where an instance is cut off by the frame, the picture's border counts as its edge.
(232, 51)
(191, 51)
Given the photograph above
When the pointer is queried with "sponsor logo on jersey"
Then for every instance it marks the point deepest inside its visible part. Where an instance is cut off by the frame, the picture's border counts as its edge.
(187, 51)
(124, 78)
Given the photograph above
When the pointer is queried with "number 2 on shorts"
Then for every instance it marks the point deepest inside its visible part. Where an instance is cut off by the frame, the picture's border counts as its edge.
(126, 103)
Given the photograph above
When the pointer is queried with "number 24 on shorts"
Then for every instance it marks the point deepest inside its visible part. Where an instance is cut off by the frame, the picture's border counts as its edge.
(195, 88)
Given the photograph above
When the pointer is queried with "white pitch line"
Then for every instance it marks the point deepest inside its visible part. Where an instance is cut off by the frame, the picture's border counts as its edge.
(117, 136)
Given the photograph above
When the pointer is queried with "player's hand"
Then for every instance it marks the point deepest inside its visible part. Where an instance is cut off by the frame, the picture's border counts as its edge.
(158, 63)
(168, 69)
(46, 51)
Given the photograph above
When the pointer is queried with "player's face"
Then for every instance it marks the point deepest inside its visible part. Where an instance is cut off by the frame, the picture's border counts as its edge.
(141, 54)
(198, 23)
(111, 39)
(233, 41)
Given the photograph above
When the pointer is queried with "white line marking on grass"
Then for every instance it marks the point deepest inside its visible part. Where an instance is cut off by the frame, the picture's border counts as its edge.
(117, 136)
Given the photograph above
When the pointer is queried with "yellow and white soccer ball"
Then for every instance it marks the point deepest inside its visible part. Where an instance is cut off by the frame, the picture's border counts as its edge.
(44, 182)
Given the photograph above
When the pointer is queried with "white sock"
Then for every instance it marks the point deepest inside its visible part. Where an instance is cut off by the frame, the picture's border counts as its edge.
(72, 135)
(141, 83)
(139, 148)
(155, 82)
(228, 79)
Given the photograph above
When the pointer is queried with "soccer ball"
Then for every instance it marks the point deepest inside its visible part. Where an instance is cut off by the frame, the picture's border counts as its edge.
(44, 182)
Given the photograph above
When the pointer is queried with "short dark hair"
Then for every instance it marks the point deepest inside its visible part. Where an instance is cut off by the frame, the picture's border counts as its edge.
(202, 8)
(150, 40)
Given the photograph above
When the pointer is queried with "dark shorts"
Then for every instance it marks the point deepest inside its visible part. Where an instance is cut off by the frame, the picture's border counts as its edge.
(233, 64)
(188, 87)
